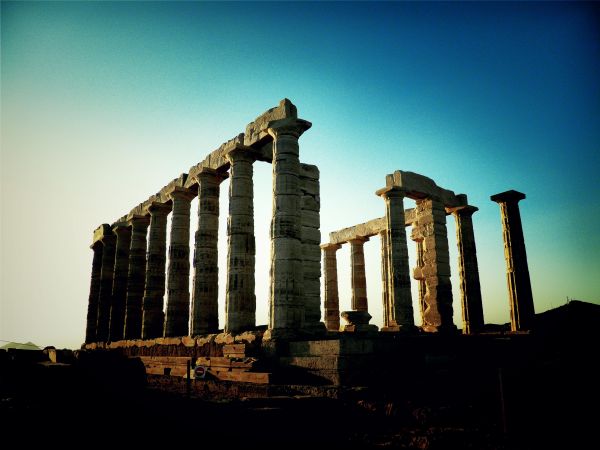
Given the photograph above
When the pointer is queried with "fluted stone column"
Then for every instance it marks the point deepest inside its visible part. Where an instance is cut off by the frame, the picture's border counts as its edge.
(106, 281)
(240, 301)
(205, 294)
(286, 302)
(385, 279)
(92, 312)
(470, 289)
(310, 236)
(136, 277)
(359, 279)
(178, 294)
(418, 275)
(398, 265)
(153, 316)
(332, 300)
(431, 219)
(119, 288)
(522, 313)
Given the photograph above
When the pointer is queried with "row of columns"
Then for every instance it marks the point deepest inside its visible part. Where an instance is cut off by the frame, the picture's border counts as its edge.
(128, 271)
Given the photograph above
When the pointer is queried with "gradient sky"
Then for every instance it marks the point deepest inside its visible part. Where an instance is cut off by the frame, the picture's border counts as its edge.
(104, 103)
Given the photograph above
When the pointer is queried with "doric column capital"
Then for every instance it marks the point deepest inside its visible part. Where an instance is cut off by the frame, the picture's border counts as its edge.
(181, 193)
(159, 209)
(358, 240)
(137, 221)
(121, 228)
(508, 197)
(391, 192)
(241, 153)
(289, 126)
(329, 247)
(463, 211)
(206, 173)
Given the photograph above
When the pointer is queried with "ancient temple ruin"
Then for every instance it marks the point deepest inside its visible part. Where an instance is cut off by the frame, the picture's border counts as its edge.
(133, 272)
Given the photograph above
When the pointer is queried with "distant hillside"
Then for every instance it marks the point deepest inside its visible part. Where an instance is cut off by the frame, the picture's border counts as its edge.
(26, 346)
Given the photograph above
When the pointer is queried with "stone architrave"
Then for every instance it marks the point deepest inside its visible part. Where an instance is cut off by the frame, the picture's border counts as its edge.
(106, 282)
(332, 300)
(136, 276)
(398, 266)
(119, 288)
(205, 294)
(470, 289)
(240, 301)
(359, 279)
(287, 312)
(92, 312)
(385, 278)
(418, 275)
(522, 313)
(153, 316)
(431, 219)
(310, 236)
(178, 277)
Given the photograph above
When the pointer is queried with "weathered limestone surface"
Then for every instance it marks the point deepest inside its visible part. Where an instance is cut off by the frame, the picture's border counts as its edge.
(418, 187)
(92, 312)
(240, 302)
(154, 292)
(368, 229)
(310, 236)
(431, 219)
(119, 288)
(359, 280)
(287, 277)
(332, 300)
(178, 294)
(398, 268)
(522, 313)
(385, 278)
(205, 292)
(106, 280)
(136, 276)
(470, 290)
(417, 236)
(258, 130)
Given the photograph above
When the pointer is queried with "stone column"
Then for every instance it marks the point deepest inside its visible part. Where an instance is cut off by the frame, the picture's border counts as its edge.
(106, 282)
(287, 311)
(178, 278)
(522, 313)
(92, 312)
(240, 299)
(310, 236)
(431, 219)
(136, 277)
(153, 316)
(418, 275)
(470, 290)
(119, 288)
(332, 300)
(205, 294)
(398, 267)
(385, 279)
(359, 279)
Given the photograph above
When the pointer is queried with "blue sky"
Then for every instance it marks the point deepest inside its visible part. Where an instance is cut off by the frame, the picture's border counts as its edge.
(104, 103)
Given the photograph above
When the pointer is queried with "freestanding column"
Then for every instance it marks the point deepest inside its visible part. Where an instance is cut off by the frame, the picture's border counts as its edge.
(205, 294)
(119, 288)
(470, 290)
(385, 279)
(431, 219)
(153, 317)
(286, 303)
(240, 301)
(106, 282)
(522, 313)
(92, 313)
(178, 278)
(136, 277)
(398, 266)
(332, 300)
(359, 280)
(418, 274)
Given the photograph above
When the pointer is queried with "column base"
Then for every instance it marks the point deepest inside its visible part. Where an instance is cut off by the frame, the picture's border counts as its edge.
(360, 328)
(405, 329)
(445, 329)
